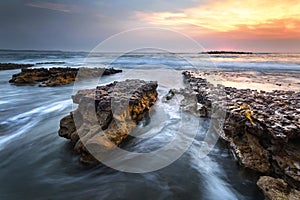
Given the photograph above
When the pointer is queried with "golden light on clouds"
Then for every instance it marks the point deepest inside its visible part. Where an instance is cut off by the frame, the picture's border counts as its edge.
(240, 19)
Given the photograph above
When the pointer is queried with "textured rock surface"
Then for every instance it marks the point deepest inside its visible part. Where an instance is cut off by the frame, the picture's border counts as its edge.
(106, 115)
(8, 66)
(262, 128)
(57, 76)
(277, 189)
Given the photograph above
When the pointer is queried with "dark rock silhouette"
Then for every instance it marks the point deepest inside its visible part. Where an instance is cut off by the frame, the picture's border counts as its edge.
(228, 52)
(9, 66)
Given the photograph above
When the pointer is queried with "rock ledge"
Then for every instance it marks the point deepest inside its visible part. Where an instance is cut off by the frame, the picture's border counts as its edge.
(105, 116)
(57, 76)
(262, 128)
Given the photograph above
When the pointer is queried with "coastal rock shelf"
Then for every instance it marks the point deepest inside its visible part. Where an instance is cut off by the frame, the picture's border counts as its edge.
(275, 188)
(262, 128)
(105, 116)
(57, 76)
(9, 66)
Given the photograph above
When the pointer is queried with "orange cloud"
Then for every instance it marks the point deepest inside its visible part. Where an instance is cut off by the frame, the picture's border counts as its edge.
(242, 19)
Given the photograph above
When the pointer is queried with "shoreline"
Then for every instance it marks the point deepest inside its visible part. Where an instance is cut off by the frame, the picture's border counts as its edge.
(261, 128)
(266, 80)
(240, 79)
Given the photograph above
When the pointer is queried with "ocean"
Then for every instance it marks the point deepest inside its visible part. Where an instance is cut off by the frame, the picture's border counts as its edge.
(38, 164)
(284, 61)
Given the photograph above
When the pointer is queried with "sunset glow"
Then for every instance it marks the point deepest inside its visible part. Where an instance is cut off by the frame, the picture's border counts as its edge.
(249, 25)
(241, 19)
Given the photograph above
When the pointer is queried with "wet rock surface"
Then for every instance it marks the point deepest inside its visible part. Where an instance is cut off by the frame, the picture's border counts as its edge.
(9, 66)
(243, 79)
(277, 189)
(105, 116)
(57, 76)
(262, 128)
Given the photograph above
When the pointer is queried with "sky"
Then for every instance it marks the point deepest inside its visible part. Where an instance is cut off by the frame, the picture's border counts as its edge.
(81, 25)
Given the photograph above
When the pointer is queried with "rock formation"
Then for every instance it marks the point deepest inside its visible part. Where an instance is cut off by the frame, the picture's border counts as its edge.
(9, 66)
(277, 189)
(262, 128)
(105, 116)
(228, 52)
(58, 75)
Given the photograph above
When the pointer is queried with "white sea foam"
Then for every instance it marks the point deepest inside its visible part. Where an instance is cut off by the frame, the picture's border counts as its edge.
(57, 106)
(6, 139)
(31, 118)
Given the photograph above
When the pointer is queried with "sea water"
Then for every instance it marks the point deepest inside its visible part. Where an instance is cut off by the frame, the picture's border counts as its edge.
(38, 164)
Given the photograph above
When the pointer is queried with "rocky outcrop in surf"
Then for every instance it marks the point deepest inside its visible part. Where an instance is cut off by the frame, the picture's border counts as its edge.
(9, 66)
(57, 76)
(105, 116)
(262, 128)
(228, 52)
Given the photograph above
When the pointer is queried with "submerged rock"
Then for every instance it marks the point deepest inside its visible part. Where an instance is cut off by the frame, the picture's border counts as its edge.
(262, 128)
(58, 75)
(106, 115)
(9, 66)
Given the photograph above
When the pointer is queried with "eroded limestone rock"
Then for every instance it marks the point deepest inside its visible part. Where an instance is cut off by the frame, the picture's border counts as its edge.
(106, 115)
(262, 128)
(277, 189)
(57, 76)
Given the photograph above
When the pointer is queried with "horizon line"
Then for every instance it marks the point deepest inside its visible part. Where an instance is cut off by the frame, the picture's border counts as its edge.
(208, 51)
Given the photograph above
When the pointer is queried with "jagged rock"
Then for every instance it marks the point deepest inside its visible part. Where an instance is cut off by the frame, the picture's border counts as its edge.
(170, 94)
(262, 128)
(30, 76)
(277, 189)
(58, 75)
(106, 115)
(188, 102)
(250, 153)
(9, 66)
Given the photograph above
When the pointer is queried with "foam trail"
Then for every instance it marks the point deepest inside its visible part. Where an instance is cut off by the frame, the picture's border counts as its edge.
(4, 140)
(57, 106)
(30, 118)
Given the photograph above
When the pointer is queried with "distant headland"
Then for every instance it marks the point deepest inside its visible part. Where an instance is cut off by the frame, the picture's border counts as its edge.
(227, 52)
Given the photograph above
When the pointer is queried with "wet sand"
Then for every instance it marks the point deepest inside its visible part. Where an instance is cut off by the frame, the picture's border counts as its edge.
(256, 80)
